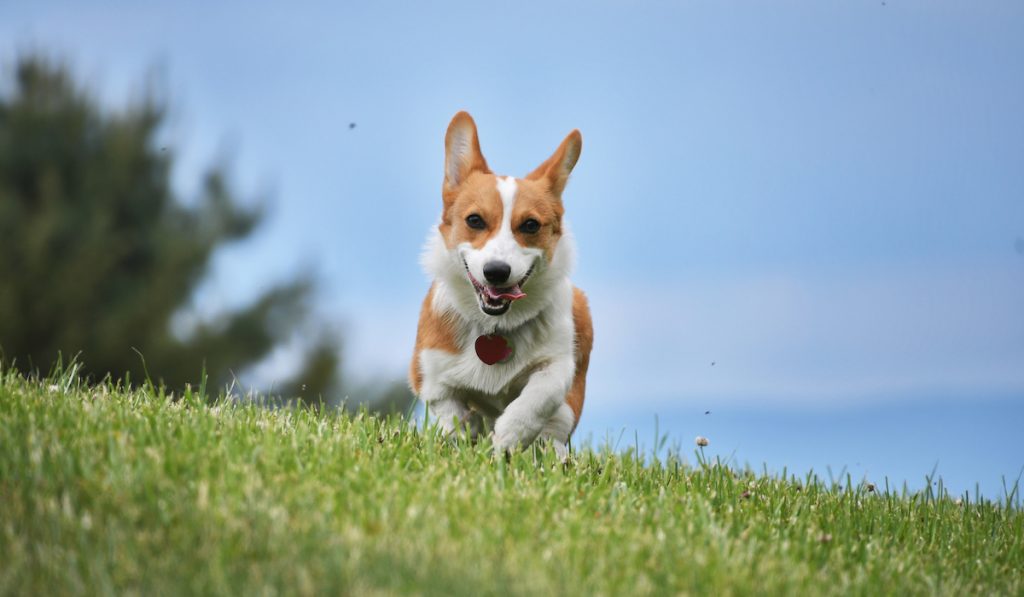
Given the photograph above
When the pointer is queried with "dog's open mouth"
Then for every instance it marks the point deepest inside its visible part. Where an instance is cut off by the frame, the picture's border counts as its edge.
(494, 300)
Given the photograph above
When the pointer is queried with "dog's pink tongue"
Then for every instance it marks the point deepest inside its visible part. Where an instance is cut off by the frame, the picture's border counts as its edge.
(512, 293)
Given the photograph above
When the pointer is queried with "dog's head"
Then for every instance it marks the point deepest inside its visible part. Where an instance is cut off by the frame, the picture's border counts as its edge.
(501, 232)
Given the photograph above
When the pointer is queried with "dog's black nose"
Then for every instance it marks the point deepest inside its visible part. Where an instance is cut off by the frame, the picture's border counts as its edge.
(497, 272)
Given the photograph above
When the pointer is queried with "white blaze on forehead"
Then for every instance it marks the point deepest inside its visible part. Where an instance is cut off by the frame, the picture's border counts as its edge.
(503, 245)
(507, 189)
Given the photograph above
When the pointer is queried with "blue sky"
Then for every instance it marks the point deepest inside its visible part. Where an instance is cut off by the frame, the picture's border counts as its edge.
(820, 198)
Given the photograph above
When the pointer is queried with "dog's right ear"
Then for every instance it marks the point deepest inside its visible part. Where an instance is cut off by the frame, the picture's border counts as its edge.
(462, 154)
(556, 169)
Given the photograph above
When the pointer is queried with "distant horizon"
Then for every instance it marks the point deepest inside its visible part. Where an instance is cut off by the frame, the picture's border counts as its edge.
(976, 449)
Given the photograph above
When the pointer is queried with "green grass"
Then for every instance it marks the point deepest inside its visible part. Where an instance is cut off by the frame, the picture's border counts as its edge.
(109, 490)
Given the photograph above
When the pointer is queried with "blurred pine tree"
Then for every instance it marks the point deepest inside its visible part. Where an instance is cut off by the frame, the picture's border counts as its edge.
(97, 254)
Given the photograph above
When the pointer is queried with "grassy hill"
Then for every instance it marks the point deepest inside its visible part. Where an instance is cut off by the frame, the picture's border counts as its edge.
(108, 490)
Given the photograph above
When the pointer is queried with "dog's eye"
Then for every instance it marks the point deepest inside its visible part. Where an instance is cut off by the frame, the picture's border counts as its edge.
(530, 226)
(476, 222)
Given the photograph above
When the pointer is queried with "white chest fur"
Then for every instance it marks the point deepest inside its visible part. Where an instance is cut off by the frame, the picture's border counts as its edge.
(544, 338)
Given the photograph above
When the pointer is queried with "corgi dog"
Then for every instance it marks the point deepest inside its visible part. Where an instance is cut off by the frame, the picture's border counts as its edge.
(504, 338)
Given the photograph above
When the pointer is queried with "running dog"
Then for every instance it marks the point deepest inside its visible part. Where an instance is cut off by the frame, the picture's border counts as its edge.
(504, 337)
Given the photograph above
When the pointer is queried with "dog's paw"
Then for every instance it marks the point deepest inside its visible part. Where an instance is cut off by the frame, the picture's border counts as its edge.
(449, 414)
(512, 431)
(561, 451)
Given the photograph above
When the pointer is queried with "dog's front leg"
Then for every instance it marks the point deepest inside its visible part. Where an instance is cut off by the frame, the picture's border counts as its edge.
(524, 418)
(450, 412)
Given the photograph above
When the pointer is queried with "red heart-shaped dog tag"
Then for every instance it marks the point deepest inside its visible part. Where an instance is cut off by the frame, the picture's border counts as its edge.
(493, 349)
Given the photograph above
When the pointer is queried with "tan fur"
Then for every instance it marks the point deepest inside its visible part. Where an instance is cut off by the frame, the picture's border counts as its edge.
(435, 331)
(584, 343)
(477, 195)
(535, 200)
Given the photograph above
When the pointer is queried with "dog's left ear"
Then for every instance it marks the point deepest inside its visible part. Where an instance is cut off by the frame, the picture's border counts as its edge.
(555, 170)
(462, 154)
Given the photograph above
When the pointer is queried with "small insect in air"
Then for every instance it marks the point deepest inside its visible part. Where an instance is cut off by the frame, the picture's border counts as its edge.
(351, 125)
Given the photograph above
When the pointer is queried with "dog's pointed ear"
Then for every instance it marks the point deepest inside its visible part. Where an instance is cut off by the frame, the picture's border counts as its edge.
(462, 154)
(556, 169)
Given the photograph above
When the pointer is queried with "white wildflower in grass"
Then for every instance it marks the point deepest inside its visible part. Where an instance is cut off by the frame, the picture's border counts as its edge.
(701, 441)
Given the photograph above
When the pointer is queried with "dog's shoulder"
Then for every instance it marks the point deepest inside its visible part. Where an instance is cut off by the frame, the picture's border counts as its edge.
(436, 331)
